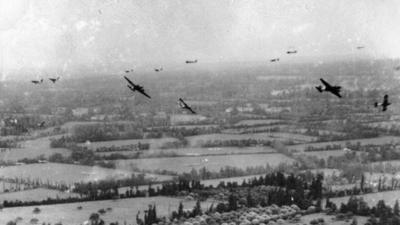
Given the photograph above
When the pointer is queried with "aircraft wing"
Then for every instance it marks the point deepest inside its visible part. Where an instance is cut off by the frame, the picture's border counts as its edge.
(143, 92)
(325, 83)
(336, 93)
(129, 81)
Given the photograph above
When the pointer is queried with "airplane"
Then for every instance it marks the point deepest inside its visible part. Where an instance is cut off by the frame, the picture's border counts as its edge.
(274, 60)
(135, 87)
(127, 71)
(183, 105)
(41, 124)
(384, 104)
(333, 89)
(54, 80)
(191, 61)
(360, 47)
(158, 69)
(291, 52)
(37, 81)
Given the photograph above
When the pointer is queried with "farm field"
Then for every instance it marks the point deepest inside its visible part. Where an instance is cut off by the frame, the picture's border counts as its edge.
(214, 163)
(306, 219)
(267, 136)
(257, 122)
(257, 129)
(196, 151)
(322, 154)
(372, 199)
(38, 194)
(154, 143)
(378, 140)
(67, 173)
(122, 210)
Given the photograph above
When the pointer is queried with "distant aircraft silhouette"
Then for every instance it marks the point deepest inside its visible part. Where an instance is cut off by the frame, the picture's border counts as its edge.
(54, 80)
(135, 87)
(191, 61)
(329, 88)
(127, 71)
(360, 47)
(41, 124)
(291, 52)
(158, 69)
(397, 68)
(183, 105)
(274, 60)
(37, 81)
(384, 104)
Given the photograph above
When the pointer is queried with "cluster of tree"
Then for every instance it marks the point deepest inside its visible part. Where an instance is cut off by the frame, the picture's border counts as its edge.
(386, 215)
(324, 148)
(234, 143)
(182, 131)
(132, 147)
(9, 143)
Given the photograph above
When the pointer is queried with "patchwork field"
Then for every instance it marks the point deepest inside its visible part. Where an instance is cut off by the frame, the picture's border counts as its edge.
(121, 210)
(32, 149)
(154, 143)
(257, 122)
(372, 199)
(266, 136)
(67, 173)
(323, 154)
(214, 163)
(377, 141)
(196, 151)
(38, 194)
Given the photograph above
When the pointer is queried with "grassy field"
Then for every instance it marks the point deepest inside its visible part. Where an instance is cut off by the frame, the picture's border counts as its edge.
(323, 154)
(213, 163)
(38, 194)
(154, 143)
(377, 141)
(32, 149)
(122, 210)
(266, 136)
(306, 219)
(372, 199)
(196, 151)
(257, 122)
(66, 173)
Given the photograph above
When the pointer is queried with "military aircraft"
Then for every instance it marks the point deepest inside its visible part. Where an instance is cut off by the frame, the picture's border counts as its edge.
(37, 81)
(332, 89)
(191, 61)
(158, 69)
(127, 71)
(135, 87)
(274, 60)
(41, 124)
(360, 47)
(384, 104)
(291, 52)
(183, 105)
(54, 80)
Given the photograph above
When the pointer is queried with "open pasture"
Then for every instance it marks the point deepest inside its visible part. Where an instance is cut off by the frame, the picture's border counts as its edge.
(375, 141)
(154, 143)
(213, 163)
(67, 173)
(372, 199)
(38, 194)
(121, 210)
(258, 122)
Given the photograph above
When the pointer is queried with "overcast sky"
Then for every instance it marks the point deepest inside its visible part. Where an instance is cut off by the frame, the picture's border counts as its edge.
(110, 35)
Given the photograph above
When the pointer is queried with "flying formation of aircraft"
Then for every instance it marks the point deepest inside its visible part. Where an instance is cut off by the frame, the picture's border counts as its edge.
(135, 87)
(37, 81)
(158, 69)
(274, 60)
(191, 61)
(329, 88)
(183, 105)
(384, 104)
(128, 71)
(54, 80)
